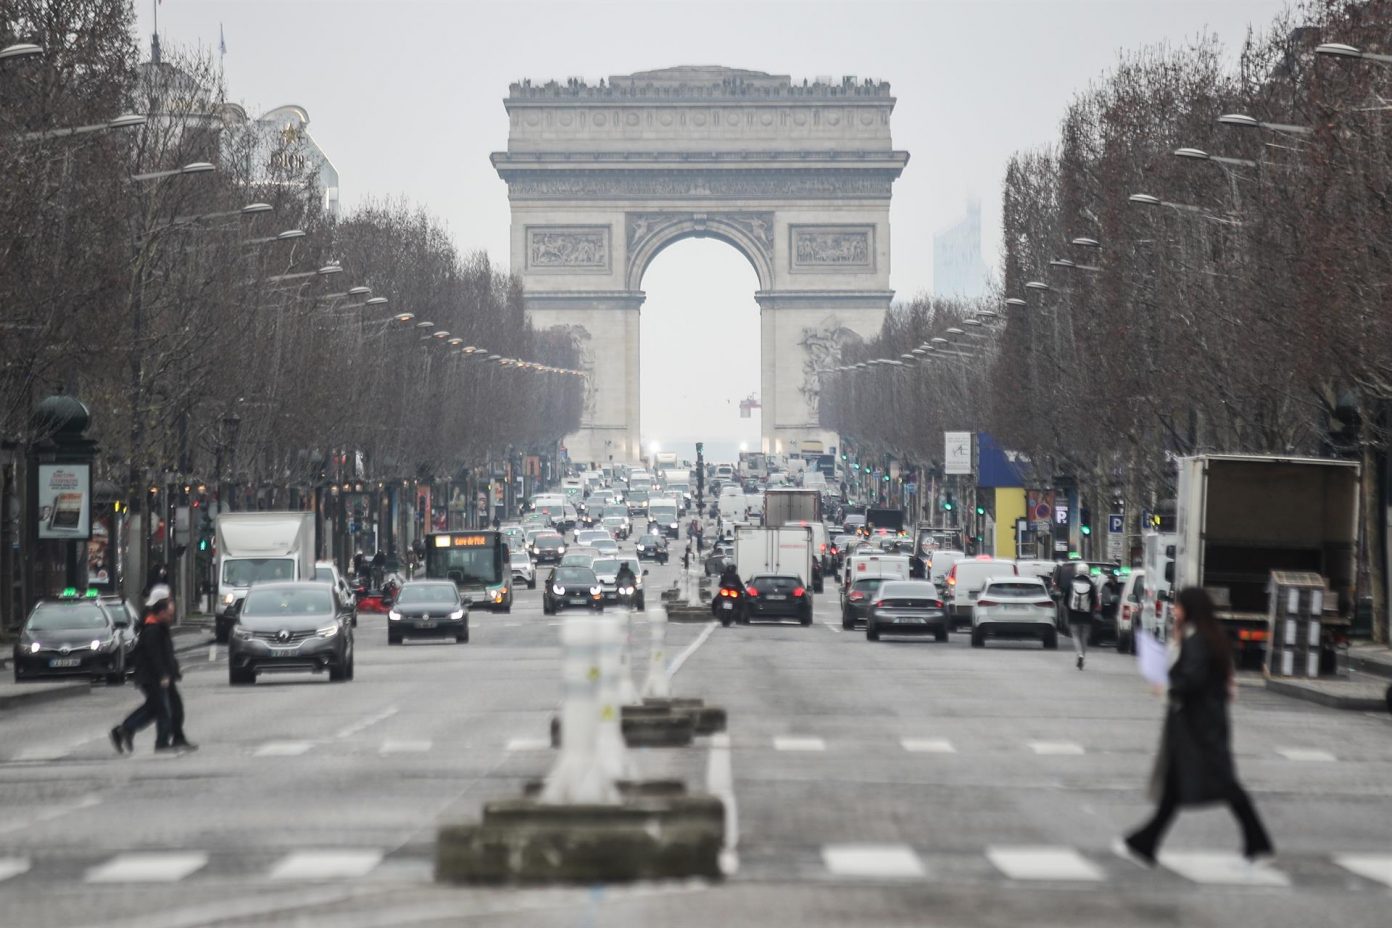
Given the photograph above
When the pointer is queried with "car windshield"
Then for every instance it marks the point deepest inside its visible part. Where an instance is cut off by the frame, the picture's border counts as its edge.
(633, 564)
(248, 570)
(1014, 588)
(57, 616)
(288, 602)
(869, 585)
(520, 557)
(778, 583)
(575, 575)
(611, 512)
(548, 541)
(433, 593)
(908, 589)
(606, 544)
(606, 565)
(324, 574)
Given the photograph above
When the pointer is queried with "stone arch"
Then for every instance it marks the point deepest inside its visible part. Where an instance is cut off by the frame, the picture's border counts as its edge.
(648, 234)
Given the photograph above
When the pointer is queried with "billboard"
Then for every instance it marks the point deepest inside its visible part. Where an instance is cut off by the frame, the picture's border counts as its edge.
(957, 452)
(65, 502)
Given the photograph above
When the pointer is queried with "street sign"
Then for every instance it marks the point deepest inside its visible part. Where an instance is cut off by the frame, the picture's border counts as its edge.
(1114, 524)
(957, 452)
(1060, 515)
(1060, 547)
(1115, 542)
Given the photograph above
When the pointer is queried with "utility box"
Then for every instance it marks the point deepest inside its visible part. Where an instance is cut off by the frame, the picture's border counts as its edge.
(1295, 625)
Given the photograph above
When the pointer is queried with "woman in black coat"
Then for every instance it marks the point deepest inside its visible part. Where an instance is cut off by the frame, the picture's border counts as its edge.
(1195, 765)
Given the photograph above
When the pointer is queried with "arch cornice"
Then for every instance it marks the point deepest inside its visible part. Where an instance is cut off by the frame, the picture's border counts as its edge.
(646, 233)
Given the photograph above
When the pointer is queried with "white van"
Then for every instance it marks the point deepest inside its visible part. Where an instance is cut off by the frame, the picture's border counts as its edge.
(861, 566)
(965, 581)
(942, 562)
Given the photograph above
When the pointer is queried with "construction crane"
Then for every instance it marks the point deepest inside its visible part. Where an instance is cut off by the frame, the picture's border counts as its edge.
(748, 405)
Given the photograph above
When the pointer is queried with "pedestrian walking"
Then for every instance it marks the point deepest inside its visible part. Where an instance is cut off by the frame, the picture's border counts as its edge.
(1195, 764)
(157, 674)
(1083, 603)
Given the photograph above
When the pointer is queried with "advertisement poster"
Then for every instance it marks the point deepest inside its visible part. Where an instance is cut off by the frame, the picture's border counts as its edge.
(957, 452)
(65, 502)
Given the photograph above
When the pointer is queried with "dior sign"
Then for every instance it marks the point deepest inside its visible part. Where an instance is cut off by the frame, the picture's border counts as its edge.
(832, 248)
(568, 248)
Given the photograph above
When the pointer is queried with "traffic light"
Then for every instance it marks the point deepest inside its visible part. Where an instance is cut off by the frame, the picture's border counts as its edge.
(948, 504)
(1085, 521)
(980, 510)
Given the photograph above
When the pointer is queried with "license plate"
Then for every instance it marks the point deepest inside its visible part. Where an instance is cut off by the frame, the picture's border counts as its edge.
(426, 623)
(777, 597)
(727, 606)
(283, 652)
(65, 662)
(908, 620)
(1014, 607)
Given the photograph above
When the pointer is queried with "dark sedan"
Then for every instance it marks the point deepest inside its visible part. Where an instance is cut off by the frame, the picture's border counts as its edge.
(548, 547)
(571, 587)
(70, 637)
(287, 627)
(907, 607)
(652, 547)
(428, 608)
(777, 597)
(855, 605)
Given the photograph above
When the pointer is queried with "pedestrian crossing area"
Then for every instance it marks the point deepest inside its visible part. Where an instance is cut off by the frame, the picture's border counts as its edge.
(849, 863)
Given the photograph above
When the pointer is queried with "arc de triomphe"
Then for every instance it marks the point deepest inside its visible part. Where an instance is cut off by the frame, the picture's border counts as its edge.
(797, 177)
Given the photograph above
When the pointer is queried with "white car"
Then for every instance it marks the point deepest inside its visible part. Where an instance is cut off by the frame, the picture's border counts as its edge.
(327, 572)
(1132, 613)
(523, 569)
(1014, 607)
(967, 579)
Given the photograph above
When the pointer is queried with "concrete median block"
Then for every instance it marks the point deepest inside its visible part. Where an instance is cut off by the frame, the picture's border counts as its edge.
(705, 720)
(629, 789)
(523, 841)
(652, 730)
(688, 615)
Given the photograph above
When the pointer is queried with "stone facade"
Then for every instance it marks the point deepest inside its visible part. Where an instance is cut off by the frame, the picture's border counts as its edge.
(796, 177)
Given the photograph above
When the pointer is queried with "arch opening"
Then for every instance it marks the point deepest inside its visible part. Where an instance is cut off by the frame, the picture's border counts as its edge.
(700, 348)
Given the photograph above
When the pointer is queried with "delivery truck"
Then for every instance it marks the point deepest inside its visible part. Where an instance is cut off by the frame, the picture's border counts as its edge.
(892, 519)
(1240, 517)
(782, 551)
(257, 547)
(785, 505)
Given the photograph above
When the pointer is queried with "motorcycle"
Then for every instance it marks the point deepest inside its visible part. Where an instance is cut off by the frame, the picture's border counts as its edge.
(627, 595)
(728, 605)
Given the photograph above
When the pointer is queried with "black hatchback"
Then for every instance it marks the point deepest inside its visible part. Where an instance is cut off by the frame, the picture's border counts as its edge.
(428, 608)
(572, 587)
(777, 597)
(548, 547)
(293, 626)
(70, 637)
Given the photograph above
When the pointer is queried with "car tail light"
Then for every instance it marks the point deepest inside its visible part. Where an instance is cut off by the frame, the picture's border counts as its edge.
(856, 596)
(1251, 634)
(937, 604)
(750, 591)
(798, 592)
(1045, 602)
(987, 602)
(1126, 613)
(877, 603)
(1157, 608)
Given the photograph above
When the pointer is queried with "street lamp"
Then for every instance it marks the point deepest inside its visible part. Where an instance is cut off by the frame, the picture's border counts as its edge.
(1242, 120)
(1339, 50)
(20, 50)
(196, 167)
(1085, 242)
(1198, 154)
(1015, 301)
(120, 122)
(1036, 285)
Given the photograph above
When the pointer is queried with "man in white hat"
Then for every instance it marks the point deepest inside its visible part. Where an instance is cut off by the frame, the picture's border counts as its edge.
(157, 674)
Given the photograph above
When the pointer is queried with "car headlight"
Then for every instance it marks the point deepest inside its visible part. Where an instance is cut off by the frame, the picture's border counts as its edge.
(558, 590)
(561, 550)
(393, 616)
(457, 614)
(534, 549)
(499, 594)
(35, 647)
(229, 598)
(96, 644)
(328, 631)
(242, 632)
(595, 591)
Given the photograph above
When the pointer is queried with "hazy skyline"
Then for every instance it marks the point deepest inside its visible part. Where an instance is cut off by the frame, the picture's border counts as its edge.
(406, 99)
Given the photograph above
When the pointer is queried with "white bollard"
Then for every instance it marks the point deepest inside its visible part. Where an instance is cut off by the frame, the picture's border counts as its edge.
(658, 684)
(579, 776)
(628, 691)
(609, 739)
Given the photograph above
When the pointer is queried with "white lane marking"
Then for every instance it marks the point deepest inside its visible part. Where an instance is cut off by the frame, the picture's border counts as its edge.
(283, 748)
(1056, 748)
(141, 867)
(528, 744)
(212, 652)
(405, 747)
(358, 726)
(52, 751)
(720, 782)
(1044, 863)
(48, 815)
(1375, 867)
(326, 865)
(927, 745)
(795, 743)
(875, 861)
(690, 649)
(1221, 868)
(834, 627)
(1307, 755)
(12, 867)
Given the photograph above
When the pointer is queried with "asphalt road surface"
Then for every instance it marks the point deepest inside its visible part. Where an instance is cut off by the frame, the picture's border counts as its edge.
(891, 783)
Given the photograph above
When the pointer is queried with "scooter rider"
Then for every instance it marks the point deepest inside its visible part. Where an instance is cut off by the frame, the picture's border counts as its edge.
(625, 579)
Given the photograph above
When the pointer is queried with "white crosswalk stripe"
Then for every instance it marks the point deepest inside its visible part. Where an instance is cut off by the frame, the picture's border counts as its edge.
(1061, 864)
(1375, 867)
(1307, 755)
(13, 866)
(283, 748)
(528, 744)
(405, 747)
(873, 861)
(927, 746)
(326, 865)
(1221, 868)
(797, 743)
(1056, 748)
(148, 867)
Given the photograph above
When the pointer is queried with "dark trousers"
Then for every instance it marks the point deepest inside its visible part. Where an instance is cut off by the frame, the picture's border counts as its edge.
(157, 708)
(1255, 840)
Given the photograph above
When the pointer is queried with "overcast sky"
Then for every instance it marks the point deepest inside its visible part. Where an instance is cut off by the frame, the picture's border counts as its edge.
(405, 96)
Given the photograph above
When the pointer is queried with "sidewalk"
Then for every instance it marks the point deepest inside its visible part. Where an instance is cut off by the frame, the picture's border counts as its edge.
(1367, 688)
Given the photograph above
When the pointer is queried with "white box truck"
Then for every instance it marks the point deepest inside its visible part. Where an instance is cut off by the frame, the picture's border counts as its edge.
(1240, 517)
(782, 506)
(785, 551)
(254, 547)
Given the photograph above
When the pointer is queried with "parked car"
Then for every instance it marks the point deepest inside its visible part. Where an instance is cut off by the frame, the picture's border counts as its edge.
(70, 636)
(571, 587)
(777, 596)
(907, 607)
(428, 608)
(291, 626)
(523, 570)
(1014, 607)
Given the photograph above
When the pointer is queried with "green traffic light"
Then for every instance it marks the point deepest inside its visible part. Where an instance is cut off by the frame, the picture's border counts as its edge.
(947, 504)
(981, 510)
(1086, 529)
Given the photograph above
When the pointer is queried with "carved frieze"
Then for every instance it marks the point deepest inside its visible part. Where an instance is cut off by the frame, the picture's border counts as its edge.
(632, 184)
(832, 248)
(568, 248)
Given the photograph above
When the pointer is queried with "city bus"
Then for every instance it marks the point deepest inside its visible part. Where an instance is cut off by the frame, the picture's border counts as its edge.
(477, 562)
